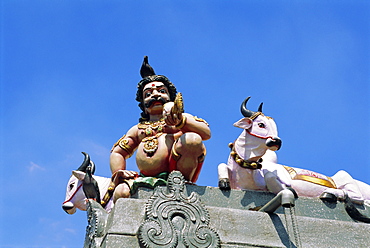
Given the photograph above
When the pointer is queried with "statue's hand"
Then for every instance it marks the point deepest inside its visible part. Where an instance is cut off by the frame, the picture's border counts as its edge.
(172, 111)
(120, 175)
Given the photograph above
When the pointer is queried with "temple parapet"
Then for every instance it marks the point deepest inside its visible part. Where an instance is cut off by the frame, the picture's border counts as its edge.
(182, 215)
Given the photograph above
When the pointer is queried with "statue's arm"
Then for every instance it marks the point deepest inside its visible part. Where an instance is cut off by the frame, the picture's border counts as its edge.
(196, 125)
(174, 115)
(123, 149)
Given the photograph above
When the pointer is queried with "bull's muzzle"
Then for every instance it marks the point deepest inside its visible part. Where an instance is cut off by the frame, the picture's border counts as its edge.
(69, 208)
(274, 143)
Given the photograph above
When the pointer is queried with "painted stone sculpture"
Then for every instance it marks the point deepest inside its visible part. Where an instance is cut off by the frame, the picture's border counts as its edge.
(175, 220)
(252, 165)
(82, 182)
(165, 138)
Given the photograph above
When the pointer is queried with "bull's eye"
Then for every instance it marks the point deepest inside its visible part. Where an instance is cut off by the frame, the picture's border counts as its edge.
(71, 186)
(261, 125)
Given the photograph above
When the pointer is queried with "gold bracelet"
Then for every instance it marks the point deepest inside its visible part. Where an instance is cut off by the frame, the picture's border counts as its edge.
(182, 123)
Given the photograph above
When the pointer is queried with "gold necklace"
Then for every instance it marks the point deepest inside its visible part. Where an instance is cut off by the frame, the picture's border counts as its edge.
(151, 141)
(150, 126)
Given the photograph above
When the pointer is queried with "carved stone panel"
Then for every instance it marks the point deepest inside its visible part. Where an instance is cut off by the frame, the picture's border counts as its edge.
(175, 220)
(96, 218)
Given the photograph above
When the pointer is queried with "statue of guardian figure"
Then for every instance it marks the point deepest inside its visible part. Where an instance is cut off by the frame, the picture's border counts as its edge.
(165, 138)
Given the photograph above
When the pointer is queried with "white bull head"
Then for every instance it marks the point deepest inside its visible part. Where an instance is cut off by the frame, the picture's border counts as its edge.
(259, 134)
(75, 196)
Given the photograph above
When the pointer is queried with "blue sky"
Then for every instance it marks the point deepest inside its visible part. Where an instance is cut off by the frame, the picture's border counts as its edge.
(69, 71)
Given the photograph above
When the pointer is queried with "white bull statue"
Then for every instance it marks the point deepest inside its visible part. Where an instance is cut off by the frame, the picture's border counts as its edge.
(252, 165)
(82, 182)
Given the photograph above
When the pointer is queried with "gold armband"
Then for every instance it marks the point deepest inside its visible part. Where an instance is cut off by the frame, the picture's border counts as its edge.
(124, 144)
(200, 120)
(175, 155)
(182, 123)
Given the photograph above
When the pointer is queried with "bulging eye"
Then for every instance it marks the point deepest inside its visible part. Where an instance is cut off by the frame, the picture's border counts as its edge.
(71, 186)
(162, 91)
(261, 125)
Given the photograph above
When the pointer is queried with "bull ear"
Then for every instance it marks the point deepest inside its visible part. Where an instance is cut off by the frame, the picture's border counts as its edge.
(243, 123)
(80, 175)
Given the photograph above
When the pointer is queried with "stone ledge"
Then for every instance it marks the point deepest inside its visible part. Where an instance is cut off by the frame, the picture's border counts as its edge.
(270, 230)
(246, 200)
(319, 224)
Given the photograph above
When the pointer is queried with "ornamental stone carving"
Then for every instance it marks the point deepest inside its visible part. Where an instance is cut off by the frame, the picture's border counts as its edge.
(175, 220)
(97, 219)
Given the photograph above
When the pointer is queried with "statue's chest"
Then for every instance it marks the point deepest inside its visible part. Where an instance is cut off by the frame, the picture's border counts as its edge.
(149, 129)
(149, 134)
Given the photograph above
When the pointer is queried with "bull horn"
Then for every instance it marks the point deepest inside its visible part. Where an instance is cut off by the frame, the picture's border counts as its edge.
(260, 107)
(85, 163)
(243, 108)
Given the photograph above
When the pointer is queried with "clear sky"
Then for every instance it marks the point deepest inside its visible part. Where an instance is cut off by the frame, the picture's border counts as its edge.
(69, 71)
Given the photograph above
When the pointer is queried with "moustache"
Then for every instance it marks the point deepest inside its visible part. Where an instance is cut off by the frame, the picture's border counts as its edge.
(155, 99)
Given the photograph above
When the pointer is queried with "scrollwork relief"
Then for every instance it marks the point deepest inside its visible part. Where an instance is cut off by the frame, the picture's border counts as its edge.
(175, 220)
